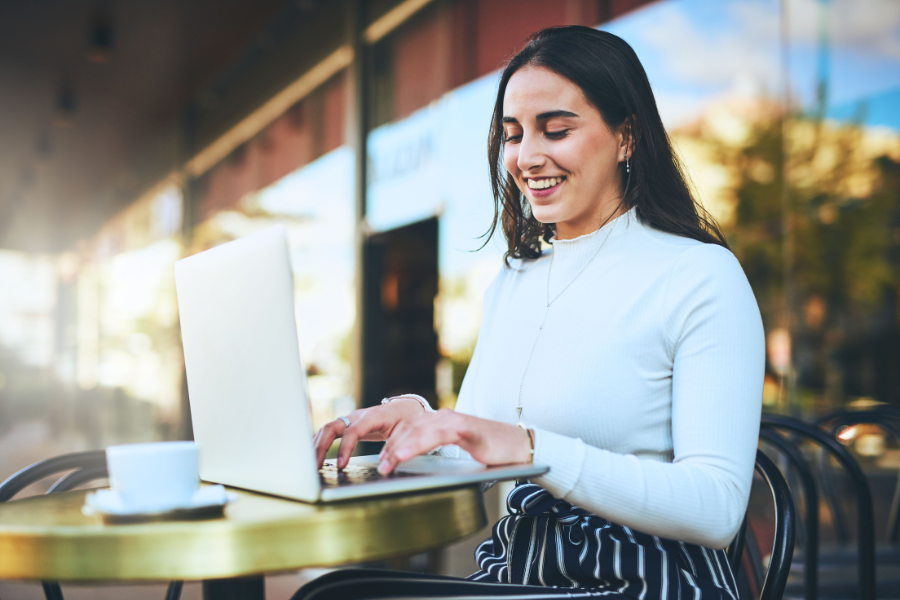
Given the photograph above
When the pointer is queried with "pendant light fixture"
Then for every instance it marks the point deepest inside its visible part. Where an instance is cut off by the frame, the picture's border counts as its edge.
(101, 37)
(43, 148)
(66, 103)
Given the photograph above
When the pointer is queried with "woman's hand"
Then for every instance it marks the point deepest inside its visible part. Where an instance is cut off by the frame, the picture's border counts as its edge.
(489, 442)
(372, 424)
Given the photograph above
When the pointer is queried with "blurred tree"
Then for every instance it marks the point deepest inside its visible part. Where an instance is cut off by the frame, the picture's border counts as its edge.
(841, 183)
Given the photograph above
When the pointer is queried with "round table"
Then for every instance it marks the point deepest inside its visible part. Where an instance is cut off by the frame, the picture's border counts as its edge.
(48, 537)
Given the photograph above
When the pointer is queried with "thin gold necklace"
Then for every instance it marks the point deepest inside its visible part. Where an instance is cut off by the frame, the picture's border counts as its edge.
(547, 310)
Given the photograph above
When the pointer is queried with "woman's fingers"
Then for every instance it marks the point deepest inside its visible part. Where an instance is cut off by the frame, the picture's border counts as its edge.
(369, 426)
(325, 437)
(366, 424)
(333, 430)
(488, 442)
(348, 443)
(419, 436)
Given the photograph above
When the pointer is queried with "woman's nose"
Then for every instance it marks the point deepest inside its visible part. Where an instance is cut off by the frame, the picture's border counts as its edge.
(531, 153)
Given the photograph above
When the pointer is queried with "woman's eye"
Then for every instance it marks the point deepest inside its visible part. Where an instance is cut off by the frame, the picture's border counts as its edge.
(557, 135)
(511, 138)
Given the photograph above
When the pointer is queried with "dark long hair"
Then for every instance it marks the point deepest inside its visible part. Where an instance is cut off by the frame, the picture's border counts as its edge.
(609, 73)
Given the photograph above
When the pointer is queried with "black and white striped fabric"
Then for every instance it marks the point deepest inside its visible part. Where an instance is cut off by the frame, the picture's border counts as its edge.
(547, 548)
(548, 542)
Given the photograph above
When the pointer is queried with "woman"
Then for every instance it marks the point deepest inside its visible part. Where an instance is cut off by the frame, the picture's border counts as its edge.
(633, 351)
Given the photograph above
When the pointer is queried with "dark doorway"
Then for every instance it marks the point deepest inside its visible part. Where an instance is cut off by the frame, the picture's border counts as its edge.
(400, 282)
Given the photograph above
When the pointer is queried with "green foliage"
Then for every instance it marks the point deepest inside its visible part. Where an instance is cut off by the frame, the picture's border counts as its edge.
(843, 216)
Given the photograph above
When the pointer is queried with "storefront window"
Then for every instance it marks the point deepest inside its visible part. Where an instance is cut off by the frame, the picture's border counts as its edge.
(90, 349)
(786, 116)
(28, 306)
(129, 360)
(433, 164)
(315, 204)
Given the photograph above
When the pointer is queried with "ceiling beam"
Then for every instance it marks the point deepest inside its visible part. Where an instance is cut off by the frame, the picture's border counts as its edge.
(269, 111)
(393, 19)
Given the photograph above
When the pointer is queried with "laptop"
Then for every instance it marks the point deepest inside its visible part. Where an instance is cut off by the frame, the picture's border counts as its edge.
(247, 385)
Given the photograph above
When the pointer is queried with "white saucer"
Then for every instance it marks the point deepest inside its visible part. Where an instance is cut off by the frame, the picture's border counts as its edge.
(208, 501)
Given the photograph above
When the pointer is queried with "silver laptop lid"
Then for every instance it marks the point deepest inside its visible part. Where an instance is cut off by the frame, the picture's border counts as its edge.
(246, 383)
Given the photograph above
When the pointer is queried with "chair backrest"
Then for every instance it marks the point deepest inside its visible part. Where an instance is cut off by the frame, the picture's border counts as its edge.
(85, 466)
(865, 518)
(885, 418)
(810, 539)
(783, 546)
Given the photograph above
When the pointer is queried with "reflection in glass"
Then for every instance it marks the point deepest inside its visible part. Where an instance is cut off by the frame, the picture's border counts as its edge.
(315, 204)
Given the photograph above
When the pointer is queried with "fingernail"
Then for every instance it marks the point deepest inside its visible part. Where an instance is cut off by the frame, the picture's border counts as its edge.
(404, 453)
(383, 467)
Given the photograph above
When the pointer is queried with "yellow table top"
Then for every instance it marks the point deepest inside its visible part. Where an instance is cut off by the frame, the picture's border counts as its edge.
(47, 537)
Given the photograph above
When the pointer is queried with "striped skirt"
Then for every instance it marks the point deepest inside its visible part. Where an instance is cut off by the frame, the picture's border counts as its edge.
(548, 542)
(547, 549)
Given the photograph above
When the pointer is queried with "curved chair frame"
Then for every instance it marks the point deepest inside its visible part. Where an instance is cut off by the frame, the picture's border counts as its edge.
(94, 460)
(811, 499)
(880, 417)
(884, 410)
(783, 548)
(785, 522)
(866, 522)
(736, 547)
(83, 467)
(744, 552)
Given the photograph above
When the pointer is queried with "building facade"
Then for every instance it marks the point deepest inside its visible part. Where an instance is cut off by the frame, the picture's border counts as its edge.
(362, 127)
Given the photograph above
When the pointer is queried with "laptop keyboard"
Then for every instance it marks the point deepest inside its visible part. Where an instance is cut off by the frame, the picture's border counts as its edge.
(330, 476)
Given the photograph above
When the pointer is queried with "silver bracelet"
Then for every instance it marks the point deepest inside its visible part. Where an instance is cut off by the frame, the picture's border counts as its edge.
(417, 397)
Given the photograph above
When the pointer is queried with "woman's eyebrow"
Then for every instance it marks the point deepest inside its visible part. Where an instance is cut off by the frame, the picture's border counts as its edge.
(550, 114)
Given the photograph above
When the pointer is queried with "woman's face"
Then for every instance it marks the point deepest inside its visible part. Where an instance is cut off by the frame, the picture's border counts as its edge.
(560, 152)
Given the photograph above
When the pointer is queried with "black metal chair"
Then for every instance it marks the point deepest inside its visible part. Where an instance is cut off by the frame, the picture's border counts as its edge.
(772, 584)
(865, 555)
(808, 527)
(887, 553)
(883, 417)
(83, 467)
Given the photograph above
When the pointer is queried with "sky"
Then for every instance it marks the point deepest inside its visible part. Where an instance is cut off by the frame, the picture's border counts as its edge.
(696, 52)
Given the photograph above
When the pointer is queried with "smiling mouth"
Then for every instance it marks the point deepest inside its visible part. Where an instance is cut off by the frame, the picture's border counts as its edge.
(543, 184)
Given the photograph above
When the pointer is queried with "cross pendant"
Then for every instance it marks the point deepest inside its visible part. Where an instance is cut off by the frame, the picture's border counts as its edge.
(519, 411)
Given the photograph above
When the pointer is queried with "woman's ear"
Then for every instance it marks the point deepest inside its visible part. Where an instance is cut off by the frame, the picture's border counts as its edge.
(627, 137)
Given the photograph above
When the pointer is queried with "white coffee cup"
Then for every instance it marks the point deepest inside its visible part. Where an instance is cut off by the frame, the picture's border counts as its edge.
(154, 477)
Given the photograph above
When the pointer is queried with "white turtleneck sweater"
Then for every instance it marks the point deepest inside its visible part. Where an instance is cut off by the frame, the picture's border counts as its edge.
(645, 384)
